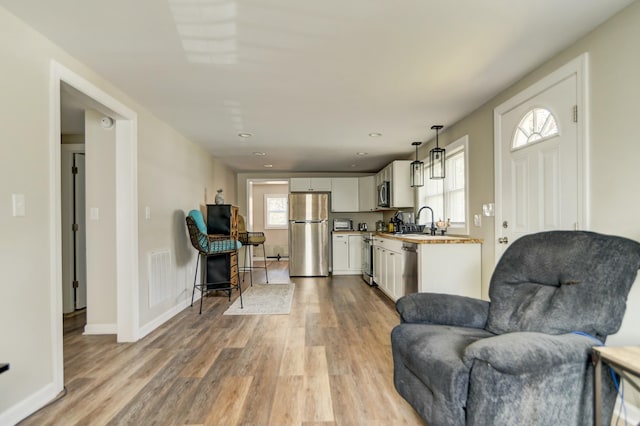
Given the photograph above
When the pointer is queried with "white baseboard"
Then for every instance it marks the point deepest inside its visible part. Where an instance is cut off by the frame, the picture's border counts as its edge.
(30, 405)
(166, 316)
(101, 329)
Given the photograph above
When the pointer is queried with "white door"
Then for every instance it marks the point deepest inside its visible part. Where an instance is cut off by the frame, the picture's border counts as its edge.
(538, 162)
(74, 276)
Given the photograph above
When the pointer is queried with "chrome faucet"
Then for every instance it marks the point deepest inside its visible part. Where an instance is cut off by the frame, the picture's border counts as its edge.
(433, 223)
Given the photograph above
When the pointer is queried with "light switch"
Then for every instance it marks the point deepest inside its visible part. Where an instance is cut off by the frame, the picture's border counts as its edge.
(477, 220)
(94, 213)
(147, 212)
(18, 204)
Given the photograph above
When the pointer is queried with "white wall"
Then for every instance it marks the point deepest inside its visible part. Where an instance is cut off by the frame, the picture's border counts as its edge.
(172, 176)
(100, 153)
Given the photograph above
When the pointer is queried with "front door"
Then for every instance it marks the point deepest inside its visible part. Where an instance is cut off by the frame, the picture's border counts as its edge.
(538, 167)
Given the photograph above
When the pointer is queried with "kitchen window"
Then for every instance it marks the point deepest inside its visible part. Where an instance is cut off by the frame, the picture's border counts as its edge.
(275, 211)
(448, 197)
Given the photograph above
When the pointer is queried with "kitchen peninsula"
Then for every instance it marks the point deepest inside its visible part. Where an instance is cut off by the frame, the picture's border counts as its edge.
(407, 263)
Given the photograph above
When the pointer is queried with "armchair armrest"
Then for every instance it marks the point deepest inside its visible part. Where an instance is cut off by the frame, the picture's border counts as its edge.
(443, 309)
(529, 352)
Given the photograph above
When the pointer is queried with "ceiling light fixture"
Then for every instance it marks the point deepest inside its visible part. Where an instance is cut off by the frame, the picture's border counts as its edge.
(375, 134)
(362, 153)
(259, 154)
(437, 157)
(417, 169)
(245, 135)
(268, 166)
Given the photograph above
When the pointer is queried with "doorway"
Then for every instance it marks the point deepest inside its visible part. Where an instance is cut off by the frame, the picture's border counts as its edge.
(265, 196)
(125, 249)
(540, 149)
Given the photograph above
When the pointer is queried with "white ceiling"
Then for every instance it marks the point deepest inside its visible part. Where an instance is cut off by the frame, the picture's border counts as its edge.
(311, 79)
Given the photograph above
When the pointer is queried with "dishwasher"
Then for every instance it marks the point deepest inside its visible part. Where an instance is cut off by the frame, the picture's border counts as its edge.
(409, 268)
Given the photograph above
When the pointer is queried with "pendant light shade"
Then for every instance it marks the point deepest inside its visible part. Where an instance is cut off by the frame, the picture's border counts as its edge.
(437, 158)
(417, 169)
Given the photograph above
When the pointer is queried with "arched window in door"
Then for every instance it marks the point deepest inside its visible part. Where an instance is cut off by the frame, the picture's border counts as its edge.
(537, 125)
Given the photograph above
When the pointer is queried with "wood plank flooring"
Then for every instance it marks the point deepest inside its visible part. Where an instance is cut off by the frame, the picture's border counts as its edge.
(326, 363)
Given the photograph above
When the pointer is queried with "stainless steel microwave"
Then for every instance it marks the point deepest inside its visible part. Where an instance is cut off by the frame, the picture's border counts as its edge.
(384, 194)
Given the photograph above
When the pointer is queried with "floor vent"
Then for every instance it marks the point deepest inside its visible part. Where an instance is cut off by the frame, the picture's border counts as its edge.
(159, 273)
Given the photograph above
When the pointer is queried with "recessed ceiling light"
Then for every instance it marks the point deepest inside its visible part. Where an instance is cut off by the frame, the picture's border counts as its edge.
(354, 165)
(268, 166)
(362, 153)
(259, 154)
(375, 134)
(245, 135)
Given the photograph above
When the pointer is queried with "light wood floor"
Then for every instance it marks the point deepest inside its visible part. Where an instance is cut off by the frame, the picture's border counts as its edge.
(328, 362)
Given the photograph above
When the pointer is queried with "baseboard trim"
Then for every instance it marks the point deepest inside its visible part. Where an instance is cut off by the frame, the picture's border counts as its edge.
(161, 319)
(29, 405)
(100, 329)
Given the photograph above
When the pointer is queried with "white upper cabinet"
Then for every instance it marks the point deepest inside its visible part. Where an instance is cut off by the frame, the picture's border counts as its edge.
(397, 173)
(318, 184)
(344, 194)
(367, 194)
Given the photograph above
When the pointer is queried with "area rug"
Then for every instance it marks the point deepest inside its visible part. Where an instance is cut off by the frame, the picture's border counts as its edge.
(264, 299)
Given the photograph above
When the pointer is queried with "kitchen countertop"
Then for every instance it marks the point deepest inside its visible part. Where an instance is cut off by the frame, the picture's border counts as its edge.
(353, 232)
(429, 239)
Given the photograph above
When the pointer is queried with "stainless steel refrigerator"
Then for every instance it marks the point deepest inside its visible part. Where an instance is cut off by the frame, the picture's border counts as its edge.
(309, 234)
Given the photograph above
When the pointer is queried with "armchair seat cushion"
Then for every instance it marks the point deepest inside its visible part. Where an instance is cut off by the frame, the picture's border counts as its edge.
(423, 350)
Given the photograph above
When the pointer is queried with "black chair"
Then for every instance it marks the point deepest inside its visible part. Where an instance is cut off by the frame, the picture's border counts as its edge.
(209, 245)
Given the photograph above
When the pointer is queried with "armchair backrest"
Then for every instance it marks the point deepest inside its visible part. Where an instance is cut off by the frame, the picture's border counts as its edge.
(563, 281)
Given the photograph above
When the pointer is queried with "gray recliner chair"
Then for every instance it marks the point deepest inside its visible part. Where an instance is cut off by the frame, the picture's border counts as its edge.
(525, 357)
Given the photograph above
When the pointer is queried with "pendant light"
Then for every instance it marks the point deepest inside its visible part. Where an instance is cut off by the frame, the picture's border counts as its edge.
(437, 158)
(417, 169)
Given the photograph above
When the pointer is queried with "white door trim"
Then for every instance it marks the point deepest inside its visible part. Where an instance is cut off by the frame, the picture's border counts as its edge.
(580, 67)
(126, 212)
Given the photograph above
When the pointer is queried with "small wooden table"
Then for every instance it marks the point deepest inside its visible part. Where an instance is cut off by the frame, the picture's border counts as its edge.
(623, 359)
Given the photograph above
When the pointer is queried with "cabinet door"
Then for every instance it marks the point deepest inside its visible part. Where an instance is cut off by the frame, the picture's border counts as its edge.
(355, 253)
(398, 280)
(390, 273)
(401, 190)
(366, 194)
(299, 184)
(344, 194)
(340, 253)
(320, 184)
(377, 266)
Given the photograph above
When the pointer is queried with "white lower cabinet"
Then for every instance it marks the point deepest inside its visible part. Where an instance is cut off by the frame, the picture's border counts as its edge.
(452, 268)
(388, 265)
(347, 254)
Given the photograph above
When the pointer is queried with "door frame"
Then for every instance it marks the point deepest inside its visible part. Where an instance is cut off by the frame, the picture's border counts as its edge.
(580, 68)
(126, 187)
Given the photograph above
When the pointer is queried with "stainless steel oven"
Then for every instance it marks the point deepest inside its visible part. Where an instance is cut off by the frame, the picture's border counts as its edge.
(367, 258)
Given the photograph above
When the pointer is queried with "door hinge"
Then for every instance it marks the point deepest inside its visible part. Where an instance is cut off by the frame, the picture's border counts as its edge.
(74, 170)
(575, 113)
(75, 227)
(76, 284)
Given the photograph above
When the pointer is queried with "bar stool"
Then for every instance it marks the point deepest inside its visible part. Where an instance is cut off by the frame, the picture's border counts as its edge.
(254, 239)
